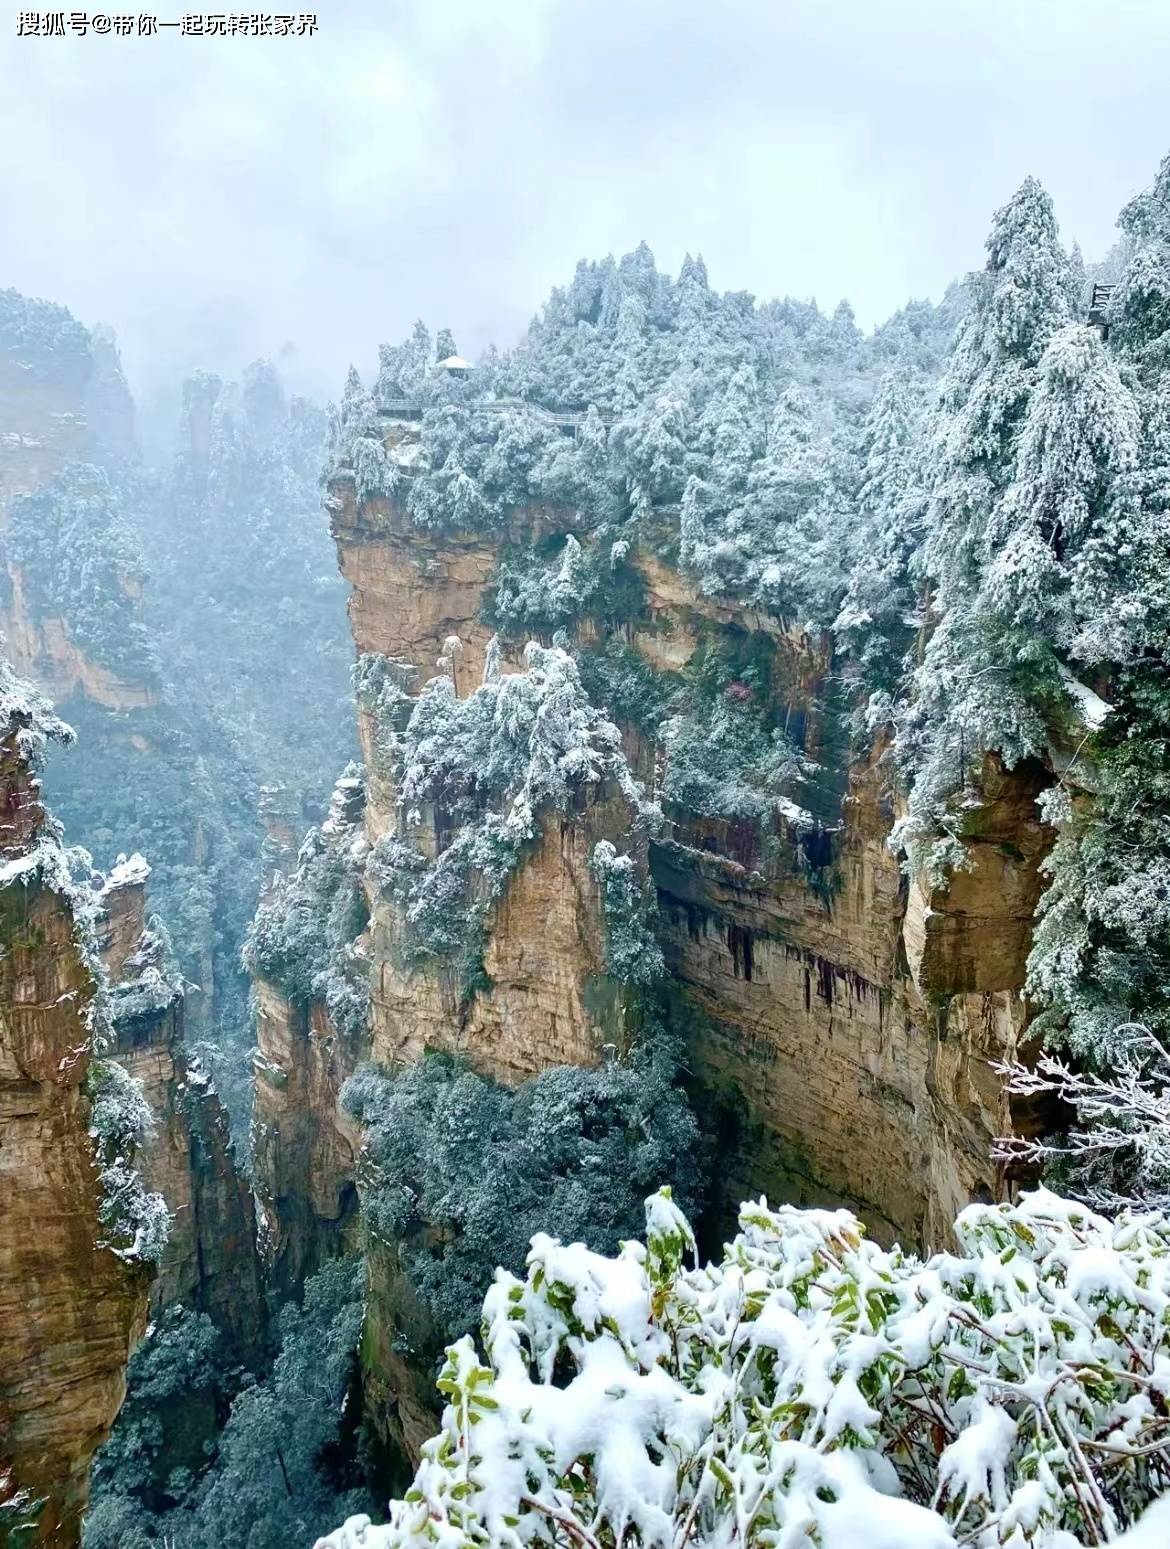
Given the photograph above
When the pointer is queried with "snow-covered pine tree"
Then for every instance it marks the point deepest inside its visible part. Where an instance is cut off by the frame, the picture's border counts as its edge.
(878, 617)
(1100, 958)
(969, 695)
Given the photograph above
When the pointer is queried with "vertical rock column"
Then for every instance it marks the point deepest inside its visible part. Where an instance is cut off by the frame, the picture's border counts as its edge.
(210, 1262)
(70, 1308)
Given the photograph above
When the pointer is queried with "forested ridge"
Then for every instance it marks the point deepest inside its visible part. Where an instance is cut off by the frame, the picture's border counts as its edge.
(964, 515)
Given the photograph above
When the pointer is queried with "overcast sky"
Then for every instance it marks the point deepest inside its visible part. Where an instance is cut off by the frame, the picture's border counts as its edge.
(219, 198)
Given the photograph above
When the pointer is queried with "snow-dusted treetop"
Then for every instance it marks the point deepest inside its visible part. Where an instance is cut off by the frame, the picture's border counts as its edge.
(25, 711)
(811, 1391)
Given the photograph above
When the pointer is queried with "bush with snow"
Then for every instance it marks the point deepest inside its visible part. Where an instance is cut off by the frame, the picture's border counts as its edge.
(304, 936)
(633, 956)
(812, 1389)
(486, 767)
(135, 1220)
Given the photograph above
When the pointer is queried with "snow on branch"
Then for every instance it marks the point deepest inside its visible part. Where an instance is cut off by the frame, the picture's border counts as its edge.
(812, 1389)
(1119, 1146)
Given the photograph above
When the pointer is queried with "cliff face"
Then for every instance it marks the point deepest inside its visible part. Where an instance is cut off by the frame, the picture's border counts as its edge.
(42, 415)
(210, 1262)
(70, 1308)
(848, 1018)
(302, 1147)
(844, 1017)
(847, 1046)
(63, 401)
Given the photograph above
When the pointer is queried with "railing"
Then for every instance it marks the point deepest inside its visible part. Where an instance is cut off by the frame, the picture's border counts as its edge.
(563, 419)
(1099, 304)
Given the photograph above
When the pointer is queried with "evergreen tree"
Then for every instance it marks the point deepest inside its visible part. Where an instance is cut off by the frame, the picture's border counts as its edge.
(1099, 960)
(971, 693)
(879, 613)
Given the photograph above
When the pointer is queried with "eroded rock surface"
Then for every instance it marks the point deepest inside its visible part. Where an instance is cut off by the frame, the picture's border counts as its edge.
(70, 1307)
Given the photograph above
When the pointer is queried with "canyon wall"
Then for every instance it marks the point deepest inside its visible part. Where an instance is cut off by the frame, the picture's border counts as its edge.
(841, 1017)
(210, 1262)
(847, 1018)
(70, 1307)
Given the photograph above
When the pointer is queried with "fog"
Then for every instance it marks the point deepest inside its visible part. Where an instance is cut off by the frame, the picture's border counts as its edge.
(218, 198)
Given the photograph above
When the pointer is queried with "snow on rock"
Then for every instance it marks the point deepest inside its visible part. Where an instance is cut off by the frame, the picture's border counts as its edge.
(1092, 708)
(127, 872)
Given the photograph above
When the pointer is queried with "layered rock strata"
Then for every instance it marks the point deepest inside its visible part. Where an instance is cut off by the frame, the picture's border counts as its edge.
(210, 1262)
(70, 1307)
(844, 1018)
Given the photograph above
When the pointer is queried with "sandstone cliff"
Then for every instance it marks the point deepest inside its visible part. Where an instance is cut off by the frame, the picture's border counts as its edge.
(70, 1306)
(849, 1019)
(843, 1019)
(210, 1263)
(303, 1148)
(63, 402)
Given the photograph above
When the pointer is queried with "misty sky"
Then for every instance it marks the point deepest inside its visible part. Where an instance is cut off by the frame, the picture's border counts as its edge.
(216, 199)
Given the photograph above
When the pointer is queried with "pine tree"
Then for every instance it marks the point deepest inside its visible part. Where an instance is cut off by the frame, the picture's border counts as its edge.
(1099, 960)
(878, 616)
(1018, 302)
(971, 693)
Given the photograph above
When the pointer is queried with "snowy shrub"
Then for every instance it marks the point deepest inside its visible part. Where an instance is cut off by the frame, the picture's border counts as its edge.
(534, 589)
(136, 1222)
(81, 562)
(811, 1389)
(721, 761)
(457, 1171)
(1100, 953)
(527, 594)
(1119, 1146)
(488, 766)
(619, 678)
(633, 956)
(304, 934)
(356, 442)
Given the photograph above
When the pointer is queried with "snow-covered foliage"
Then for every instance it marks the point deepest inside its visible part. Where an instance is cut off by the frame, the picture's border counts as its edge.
(1033, 440)
(633, 956)
(151, 980)
(880, 611)
(487, 767)
(457, 1172)
(1047, 554)
(535, 590)
(40, 337)
(273, 1473)
(1119, 1146)
(1100, 958)
(305, 935)
(80, 561)
(723, 762)
(28, 717)
(811, 1389)
(135, 1220)
(632, 391)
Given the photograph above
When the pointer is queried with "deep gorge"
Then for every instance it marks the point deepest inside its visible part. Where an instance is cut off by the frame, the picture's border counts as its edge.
(723, 799)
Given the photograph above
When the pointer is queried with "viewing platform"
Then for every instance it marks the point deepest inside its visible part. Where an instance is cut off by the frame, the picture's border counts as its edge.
(567, 421)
